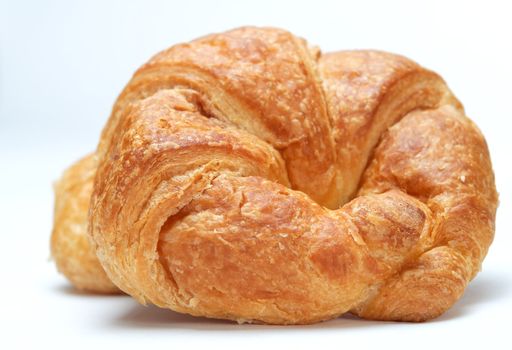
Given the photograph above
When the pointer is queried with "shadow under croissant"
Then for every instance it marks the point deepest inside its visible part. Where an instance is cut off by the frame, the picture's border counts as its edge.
(484, 288)
(69, 290)
(153, 317)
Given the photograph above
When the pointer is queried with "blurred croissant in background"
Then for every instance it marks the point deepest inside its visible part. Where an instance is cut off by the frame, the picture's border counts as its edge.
(73, 254)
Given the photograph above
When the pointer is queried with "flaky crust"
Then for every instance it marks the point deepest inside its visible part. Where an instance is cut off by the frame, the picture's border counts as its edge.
(246, 176)
(70, 247)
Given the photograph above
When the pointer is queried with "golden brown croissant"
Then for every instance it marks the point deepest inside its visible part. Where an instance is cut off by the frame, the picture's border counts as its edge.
(246, 176)
(69, 244)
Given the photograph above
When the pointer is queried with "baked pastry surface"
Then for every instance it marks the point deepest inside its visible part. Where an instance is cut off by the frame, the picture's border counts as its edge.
(70, 247)
(247, 176)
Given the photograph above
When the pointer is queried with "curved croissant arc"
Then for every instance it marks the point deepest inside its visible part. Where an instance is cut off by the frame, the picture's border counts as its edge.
(247, 176)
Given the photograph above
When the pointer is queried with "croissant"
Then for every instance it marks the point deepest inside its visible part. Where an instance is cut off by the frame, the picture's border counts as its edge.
(70, 247)
(247, 176)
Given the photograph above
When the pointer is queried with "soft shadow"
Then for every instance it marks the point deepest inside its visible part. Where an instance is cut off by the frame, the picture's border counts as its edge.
(485, 287)
(72, 291)
(138, 316)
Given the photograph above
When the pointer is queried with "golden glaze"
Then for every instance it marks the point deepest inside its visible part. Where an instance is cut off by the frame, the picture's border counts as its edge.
(246, 176)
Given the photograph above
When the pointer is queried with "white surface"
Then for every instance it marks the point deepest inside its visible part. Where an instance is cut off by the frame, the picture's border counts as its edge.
(62, 65)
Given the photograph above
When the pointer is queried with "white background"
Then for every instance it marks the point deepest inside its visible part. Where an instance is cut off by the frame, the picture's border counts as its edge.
(62, 63)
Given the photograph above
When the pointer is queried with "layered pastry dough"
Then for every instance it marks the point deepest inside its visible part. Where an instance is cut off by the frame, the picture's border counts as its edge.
(247, 176)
